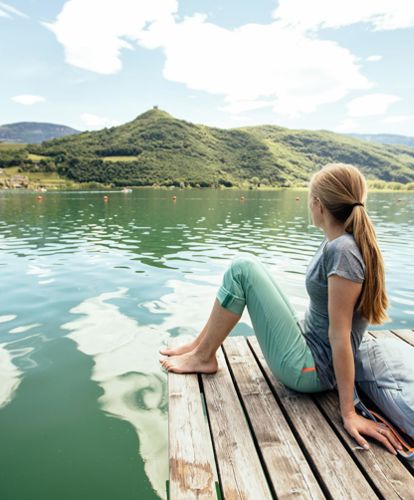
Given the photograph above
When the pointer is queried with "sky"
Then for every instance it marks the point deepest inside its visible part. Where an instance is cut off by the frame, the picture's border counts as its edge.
(345, 66)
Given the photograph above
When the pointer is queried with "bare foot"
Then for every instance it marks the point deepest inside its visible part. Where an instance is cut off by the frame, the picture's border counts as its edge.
(174, 351)
(190, 362)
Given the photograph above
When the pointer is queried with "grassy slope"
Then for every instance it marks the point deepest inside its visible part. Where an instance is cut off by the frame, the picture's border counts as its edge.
(157, 147)
(310, 149)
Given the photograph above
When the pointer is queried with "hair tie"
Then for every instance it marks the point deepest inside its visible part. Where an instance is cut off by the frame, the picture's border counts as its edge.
(353, 205)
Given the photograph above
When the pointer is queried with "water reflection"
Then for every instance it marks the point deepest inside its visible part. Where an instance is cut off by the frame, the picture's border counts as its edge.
(9, 376)
(126, 362)
(126, 367)
(120, 278)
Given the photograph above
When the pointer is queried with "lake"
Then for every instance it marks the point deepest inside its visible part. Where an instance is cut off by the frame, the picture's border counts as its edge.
(91, 290)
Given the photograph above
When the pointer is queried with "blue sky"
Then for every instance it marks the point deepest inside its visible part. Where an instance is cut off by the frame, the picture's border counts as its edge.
(312, 64)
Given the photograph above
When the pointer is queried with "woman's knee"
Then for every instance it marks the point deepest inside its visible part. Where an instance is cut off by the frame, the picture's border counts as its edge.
(246, 268)
(244, 262)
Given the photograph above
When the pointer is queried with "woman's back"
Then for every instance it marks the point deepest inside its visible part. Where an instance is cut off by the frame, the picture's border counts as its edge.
(340, 256)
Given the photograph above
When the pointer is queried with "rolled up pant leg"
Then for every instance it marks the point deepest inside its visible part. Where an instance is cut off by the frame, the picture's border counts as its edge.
(248, 282)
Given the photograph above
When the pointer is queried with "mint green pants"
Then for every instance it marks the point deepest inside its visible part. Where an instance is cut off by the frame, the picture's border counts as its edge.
(248, 282)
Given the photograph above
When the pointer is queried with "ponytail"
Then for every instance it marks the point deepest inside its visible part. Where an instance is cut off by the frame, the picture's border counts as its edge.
(343, 190)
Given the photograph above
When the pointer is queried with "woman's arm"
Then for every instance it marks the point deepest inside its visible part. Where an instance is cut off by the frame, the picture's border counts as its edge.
(342, 297)
(344, 368)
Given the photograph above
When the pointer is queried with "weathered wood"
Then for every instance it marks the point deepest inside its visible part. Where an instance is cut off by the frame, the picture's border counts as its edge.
(385, 471)
(272, 442)
(239, 467)
(286, 464)
(192, 467)
(403, 335)
(338, 472)
(406, 335)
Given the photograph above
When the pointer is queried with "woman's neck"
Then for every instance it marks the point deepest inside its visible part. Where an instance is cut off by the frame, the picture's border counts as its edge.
(333, 232)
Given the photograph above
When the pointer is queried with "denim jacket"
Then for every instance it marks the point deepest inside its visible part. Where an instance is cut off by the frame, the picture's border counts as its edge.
(384, 371)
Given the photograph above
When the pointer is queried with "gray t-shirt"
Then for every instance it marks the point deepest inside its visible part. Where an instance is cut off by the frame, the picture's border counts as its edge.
(339, 256)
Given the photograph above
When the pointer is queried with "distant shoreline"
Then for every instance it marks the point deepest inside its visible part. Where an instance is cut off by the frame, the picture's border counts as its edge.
(157, 150)
(177, 188)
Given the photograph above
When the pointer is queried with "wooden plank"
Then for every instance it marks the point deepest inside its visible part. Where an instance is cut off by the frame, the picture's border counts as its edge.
(285, 462)
(338, 472)
(389, 475)
(383, 333)
(192, 468)
(404, 335)
(239, 467)
(407, 335)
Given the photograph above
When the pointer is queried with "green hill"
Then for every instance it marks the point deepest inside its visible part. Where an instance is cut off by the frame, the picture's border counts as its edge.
(157, 148)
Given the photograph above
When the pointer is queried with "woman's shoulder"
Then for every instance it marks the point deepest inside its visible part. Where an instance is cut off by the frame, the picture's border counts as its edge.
(342, 243)
(343, 254)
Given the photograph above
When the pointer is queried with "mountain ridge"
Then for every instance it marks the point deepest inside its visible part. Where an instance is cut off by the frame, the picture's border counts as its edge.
(157, 148)
(33, 132)
(396, 139)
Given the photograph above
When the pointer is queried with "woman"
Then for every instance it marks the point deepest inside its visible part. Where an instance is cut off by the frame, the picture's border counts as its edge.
(345, 282)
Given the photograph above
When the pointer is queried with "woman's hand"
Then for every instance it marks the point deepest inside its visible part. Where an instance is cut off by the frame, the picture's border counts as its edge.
(356, 425)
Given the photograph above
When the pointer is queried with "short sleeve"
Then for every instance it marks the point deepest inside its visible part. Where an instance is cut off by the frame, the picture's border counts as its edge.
(344, 260)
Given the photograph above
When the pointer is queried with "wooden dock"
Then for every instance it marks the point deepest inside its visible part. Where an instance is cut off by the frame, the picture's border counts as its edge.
(241, 434)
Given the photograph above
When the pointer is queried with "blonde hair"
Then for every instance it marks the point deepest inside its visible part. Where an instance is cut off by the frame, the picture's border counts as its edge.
(338, 186)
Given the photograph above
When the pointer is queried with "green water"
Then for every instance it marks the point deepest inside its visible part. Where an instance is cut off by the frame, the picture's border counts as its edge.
(90, 290)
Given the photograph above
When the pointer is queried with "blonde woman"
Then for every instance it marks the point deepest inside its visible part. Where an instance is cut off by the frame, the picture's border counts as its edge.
(346, 286)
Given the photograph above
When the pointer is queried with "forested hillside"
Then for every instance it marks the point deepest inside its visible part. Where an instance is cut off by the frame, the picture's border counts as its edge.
(158, 148)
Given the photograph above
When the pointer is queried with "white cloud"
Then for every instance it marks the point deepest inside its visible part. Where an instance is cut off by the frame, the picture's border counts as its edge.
(251, 67)
(398, 119)
(28, 99)
(7, 10)
(373, 58)
(274, 65)
(371, 104)
(94, 122)
(93, 32)
(316, 14)
(234, 106)
(346, 125)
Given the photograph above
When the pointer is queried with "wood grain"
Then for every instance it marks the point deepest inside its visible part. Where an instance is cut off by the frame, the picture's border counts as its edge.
(192, 467)
(286, 464)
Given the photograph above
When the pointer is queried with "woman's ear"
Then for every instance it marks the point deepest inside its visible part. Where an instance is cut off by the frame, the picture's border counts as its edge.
(320, 206)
